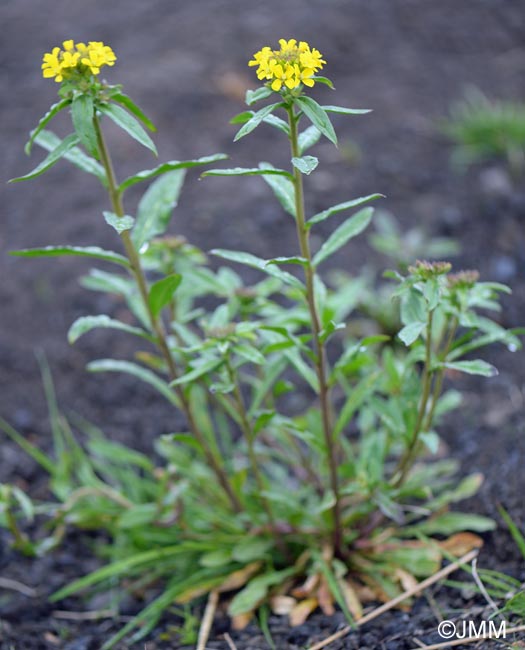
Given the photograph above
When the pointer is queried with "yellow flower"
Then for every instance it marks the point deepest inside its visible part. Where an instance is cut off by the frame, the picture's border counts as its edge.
(293, 65)
(52, 67)
(79, 59)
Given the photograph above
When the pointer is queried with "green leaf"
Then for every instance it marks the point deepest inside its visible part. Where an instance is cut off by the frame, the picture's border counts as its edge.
(128, 123)
(250, 354)
(155, 207)
(202, 369)
(256, 95)
(517, 535)
(149, 377)
(306, 164)
(119, 223)
(82, 111)
(257, 263)
(241, 118)
(250, 549)
(87, 251)
(54, 110)
(308, 138)
(283, 189)
(126, 101)
(255, 591)
(346, 231)
(169, 166)
(357, 396)
(248, 171)
(85, 324)
(340, 207)
(254, 121)
(33, 452)
(346, 111)
(456, 522)
(318, 117)
(52, 158)
(411, 332)
(161, 293)
(49, 141)
(476, 367)
(140, 514)
(289, 260)
(324, 80)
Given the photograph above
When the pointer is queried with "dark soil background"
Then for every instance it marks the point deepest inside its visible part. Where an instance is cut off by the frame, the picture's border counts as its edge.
(185, 64)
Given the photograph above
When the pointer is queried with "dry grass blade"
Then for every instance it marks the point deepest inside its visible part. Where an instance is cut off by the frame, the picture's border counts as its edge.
(397, 600)
(207, 620)
(470, 639)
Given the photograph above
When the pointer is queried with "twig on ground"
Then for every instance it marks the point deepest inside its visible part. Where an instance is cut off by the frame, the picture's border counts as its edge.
(83, 616)
(229, 641)
(397, 600)
(14, 585)
(482, 589)
(470, 639)
(207, 619)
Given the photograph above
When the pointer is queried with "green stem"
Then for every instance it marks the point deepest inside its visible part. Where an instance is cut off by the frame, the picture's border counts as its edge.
(156, 324)
(438, 383)
(320, 352)
(407, 458)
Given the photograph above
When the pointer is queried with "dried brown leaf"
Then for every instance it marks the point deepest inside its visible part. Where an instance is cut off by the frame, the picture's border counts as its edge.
(302, 611)
(239, 578)
(282, 605)
(240, 621)
(461, 543)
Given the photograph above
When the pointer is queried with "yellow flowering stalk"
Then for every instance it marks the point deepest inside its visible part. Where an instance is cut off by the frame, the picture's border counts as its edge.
(80, 59)
(292, 65)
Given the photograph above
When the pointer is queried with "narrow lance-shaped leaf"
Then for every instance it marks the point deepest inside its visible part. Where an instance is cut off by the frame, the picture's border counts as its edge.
(318, 116)
(248, 171)
(202, 369)
(82, 111)
(49, 141)
(283, 189)
(126, 101)
(306, 164)
(346, 231)
(54, 110)
(257, 263)
(54, 156)
(128, 123)
(340, 207)
(254, 121)
(346, 111)
(308, 138)
(156, 206)
(149, 377)
(476, 367)
(411, 332)
(161, 293)
(120, 224)
(256, 95)
(169, 166)
(88, 251)
(85, 324)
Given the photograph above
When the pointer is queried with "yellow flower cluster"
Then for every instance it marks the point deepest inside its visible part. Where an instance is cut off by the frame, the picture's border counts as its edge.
(294, 64)
(83, 58)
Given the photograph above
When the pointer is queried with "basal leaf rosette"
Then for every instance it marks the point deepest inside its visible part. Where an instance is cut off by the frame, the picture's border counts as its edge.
(289, 68)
